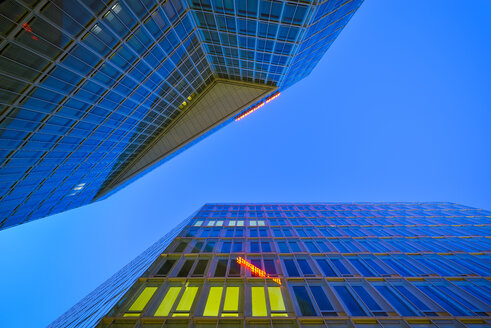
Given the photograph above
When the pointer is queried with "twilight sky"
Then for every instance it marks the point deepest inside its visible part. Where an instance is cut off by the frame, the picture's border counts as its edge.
(399, 109)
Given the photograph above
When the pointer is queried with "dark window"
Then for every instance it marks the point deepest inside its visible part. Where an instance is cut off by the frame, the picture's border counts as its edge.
(181, 247)
(254, 247)
(360, 266)
(199, 270)
(283, 248)
(305, 267)
(164, 270)
(210, 246)
(322, 301)
(239, 232)
(197, 247)
(185, 268)
(234, 269)
(221, 268)
(303, 300)
(354, 308)
(326, 268)
(269, 266)
(291, 268)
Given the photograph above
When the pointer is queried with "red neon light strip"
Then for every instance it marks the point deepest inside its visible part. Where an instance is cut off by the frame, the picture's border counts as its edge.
(253, 109)
(255, 270)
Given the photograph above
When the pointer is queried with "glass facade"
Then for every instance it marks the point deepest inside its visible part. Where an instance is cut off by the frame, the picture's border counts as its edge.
(309, 265)
(87, 85)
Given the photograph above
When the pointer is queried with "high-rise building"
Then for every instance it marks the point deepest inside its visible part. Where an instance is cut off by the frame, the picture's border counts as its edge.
(305, 265)
(95, 93)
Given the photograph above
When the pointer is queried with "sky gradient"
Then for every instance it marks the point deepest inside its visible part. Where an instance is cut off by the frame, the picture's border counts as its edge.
(399, 109)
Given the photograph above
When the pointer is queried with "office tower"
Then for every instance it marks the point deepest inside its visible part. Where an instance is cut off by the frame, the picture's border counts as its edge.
(95, 93)
(305, 265)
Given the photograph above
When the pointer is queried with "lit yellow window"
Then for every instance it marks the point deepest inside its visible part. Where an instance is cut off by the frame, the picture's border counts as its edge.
(258, 302)
(186, 302)
(142, 300)
(219, 223)
(167, 302)
(231, 304)
(213, 302)
(253, 223)
(198, 223)
(276, 302)
(211, 223)
(260, 222)
(240, 223)
(231, 223)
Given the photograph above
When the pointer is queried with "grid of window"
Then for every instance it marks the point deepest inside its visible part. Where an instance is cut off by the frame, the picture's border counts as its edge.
(316, 272)
(86, 85)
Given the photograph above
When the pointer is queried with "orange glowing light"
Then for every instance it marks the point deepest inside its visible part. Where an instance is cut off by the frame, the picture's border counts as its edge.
(28, 28)
(253, 109)
(256, 271)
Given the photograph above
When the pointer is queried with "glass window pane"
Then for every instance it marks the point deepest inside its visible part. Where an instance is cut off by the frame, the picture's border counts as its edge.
(199, 270)
(164, 270)
(143, 299)
(231, 302)
(269, 266)
(291, 268)
(185, 268)
(349, 301)
(258, 301)
(168, 301)
(305, 267)
(213, 302)
(221, 268)
(326, 268)
(322, 301)
(276, 302)
(304, 302)
(187, 299)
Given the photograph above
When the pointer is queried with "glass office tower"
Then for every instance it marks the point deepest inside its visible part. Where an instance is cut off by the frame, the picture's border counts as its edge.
(95, 93)
(306, 265)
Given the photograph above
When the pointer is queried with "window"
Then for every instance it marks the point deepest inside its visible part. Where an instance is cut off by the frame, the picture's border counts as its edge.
(397, 302)
(181, 247)
(200, 268)
(269, 266)
(164, 270)
(266, 246)
(197, 247)
(322, 301)
(185, 268)
(168, 302)
(226, 247)
(291, 269)
(354, 308)
(305, 267)
(213, 302)
(186, 302)
(303, 301)
(276, 303)
(221, 268)
(258, 301)
(140, 302)
(326, 268)
(254, 247)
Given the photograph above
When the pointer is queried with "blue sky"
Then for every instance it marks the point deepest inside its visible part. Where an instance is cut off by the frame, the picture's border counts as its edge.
(399, 109)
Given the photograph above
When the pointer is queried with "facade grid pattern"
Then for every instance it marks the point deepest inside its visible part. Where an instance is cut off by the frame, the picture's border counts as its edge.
(318, 265)
(86, 85)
